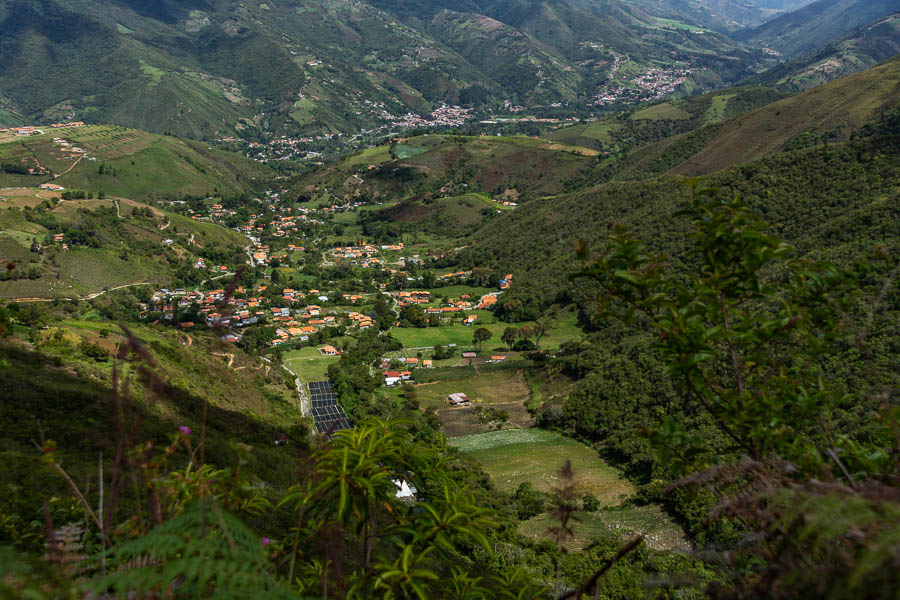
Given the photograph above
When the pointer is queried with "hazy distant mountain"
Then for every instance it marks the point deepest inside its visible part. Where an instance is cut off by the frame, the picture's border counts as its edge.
(816, 24)
(860, 49)
(722, 15)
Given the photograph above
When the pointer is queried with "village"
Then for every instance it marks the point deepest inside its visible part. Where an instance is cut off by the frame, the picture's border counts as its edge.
(285, 148)
(652, 84)
(319, 319)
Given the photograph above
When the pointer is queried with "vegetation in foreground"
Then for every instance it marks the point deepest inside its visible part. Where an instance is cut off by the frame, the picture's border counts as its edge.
(745, 344)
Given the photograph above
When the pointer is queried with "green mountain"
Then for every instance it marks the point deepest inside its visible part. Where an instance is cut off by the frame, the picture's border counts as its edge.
(631, 129)
(816, 24)
(833, 112)
(720, 15)
(829, 113)
(213, 68)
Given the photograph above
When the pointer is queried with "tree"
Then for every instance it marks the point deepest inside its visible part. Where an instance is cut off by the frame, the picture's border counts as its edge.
(540, 329)
(480, 336)
(526, 332)
(509, 337)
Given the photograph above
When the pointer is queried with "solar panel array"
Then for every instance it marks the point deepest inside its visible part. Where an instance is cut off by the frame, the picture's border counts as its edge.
(327, 413)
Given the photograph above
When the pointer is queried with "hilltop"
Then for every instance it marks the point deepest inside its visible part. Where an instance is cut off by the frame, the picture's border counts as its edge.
(515, 168)
(123, 161)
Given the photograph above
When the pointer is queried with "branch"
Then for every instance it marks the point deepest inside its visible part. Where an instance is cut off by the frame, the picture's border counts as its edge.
(721, 421)
(735, 363)
(82, 500)
(632, 545)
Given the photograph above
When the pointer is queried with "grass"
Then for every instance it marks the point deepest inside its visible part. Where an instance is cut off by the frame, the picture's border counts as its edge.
(659, 532)
(716, 111)
(308, 364)
(672, 23)
(564, 327)
(138, 164)
(402, 151)
(516, 456)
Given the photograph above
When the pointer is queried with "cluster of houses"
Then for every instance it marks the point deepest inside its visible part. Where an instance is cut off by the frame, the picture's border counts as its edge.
(237, 311)
(27, 130)
(653, 84)
(392, 378)
(307, 321)
(443, 116)
(362, 256)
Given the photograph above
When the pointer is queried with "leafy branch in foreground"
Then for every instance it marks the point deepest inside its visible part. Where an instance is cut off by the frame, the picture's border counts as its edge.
(746, 333)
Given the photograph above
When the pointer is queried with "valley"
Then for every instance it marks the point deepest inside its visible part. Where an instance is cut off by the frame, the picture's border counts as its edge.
(534, 299)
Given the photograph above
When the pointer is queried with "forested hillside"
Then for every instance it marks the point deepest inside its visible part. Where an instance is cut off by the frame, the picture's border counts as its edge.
(826, 199)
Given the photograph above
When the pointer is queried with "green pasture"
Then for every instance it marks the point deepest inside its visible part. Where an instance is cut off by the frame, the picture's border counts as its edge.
(513, 457)
(308, 364)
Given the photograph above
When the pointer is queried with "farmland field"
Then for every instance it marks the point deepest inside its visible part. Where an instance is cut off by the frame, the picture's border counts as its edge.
(659, 532)
(516, 456)
(661, 111)
(502, 386)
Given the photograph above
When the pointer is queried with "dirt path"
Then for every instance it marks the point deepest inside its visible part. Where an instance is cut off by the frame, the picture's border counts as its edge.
(75, 164)
(228, 354)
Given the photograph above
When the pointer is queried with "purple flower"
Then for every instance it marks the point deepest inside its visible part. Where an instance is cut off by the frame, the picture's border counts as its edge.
(266, 541)
(185, 430)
